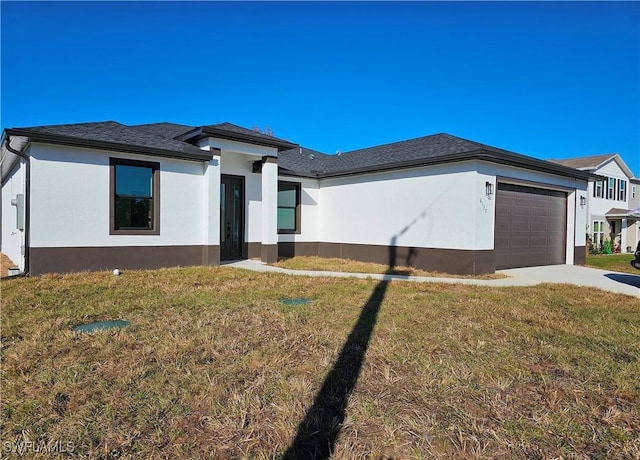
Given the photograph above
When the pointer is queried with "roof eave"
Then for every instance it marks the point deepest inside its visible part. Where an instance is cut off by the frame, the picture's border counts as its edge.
(209, 131)
(514, 159)
(480, 154)
(105, 145)
(301, 174)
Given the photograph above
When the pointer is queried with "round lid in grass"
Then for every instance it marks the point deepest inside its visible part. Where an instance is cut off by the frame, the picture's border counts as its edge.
(296, 301)
(111, 324)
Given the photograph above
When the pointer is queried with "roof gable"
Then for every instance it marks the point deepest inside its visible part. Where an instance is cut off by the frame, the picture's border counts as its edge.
(595, 162)
(236, 133)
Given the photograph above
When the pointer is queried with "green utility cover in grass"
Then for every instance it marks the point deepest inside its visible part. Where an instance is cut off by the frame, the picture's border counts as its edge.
(92, 327)
(299, 301)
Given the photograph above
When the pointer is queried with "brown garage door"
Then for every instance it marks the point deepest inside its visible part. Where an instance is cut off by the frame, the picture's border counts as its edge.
(531, 227)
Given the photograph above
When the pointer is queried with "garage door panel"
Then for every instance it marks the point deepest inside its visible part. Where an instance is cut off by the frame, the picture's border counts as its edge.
(530, 226)
(520, 226)
(520, 210)
(520, 242)
(540, 212)
(540, 226)
(538, 242)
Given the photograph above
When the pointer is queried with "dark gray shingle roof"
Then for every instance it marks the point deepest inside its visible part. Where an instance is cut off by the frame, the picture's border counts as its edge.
(168, 130)
(236, 133)
(437, 148)
(110, 134)
(302, 161)
(230, 127)
(160, 139)
(590, 162)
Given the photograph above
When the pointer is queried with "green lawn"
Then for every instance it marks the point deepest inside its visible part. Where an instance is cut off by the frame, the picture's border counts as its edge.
(613, 262)
(214, 365)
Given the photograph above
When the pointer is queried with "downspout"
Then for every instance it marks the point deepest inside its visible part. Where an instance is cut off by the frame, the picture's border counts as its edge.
(27, 206)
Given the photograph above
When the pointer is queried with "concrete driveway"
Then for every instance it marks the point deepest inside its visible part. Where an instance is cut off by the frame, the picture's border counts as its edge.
(619, 283)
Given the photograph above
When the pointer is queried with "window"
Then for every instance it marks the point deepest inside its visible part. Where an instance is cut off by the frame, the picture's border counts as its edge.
(633, 192)
(288, 207)
(598, 189)
(611, 189)
(622, 190)
(134, 197)
(598, 233)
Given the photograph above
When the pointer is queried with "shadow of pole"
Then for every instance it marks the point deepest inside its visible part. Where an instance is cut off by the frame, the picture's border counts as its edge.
(319, 430)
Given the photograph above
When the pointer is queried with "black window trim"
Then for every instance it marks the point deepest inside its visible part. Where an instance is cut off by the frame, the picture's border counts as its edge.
(298, 208)
(155, 224)
(622, 190)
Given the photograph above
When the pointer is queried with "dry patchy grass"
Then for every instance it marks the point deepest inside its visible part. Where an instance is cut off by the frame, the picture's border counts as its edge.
(214, 365)
(353, 266)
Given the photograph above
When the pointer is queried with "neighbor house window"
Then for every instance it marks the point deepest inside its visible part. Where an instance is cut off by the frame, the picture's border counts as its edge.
(134, 197)
(611, 189)
(598, 189)
(633, 192)
(622, 190)
(288, 207)
(598, 233)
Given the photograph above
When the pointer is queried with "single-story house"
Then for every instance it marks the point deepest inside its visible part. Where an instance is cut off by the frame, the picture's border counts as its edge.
(105, 195)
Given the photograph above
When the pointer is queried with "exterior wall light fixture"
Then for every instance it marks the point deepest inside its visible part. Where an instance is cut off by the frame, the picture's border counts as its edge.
(583, 200)
(488, 189)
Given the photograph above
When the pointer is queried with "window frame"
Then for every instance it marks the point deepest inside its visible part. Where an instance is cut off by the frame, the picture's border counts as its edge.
(297, 209)
(598, 189)
(622, 190)
(598, 232)
(633, 192)
(611, 188)
(155, 197)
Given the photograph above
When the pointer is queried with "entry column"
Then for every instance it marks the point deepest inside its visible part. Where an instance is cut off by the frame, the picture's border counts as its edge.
(269, 210)
(211, 212)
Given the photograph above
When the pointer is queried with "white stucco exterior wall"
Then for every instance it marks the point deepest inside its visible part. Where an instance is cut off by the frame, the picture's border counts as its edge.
(13, 239)
(211, 201)
(70, 199)
(269, 203)
(443, 206)
(434, 207)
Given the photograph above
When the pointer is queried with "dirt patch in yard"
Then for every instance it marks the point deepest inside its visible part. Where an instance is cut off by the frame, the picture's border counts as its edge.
(5, 264)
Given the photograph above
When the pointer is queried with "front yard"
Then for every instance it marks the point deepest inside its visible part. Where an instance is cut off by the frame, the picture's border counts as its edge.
(613, 262)
(214, 365)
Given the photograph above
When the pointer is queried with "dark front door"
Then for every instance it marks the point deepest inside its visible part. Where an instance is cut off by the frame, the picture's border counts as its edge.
(231, 217)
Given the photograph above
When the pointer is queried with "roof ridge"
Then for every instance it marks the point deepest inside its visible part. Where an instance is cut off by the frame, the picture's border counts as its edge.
(394, 142)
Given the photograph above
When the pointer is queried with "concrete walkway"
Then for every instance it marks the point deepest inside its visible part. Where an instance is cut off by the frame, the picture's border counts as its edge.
(619, 283)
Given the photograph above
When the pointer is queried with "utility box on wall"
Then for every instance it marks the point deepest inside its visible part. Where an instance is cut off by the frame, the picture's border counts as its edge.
(18, 202)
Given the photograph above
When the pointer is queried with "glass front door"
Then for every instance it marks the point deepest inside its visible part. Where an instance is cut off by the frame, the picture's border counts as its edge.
(231, 217)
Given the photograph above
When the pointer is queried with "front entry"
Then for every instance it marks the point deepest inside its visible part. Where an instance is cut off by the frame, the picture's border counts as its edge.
(231, 217)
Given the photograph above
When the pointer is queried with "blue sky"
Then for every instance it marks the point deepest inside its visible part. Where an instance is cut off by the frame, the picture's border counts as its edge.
(549, 79)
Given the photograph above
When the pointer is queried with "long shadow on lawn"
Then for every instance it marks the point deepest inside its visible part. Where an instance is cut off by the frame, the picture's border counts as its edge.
(318, 432)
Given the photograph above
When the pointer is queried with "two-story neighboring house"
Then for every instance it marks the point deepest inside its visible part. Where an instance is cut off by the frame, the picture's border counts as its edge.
(611, 201)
